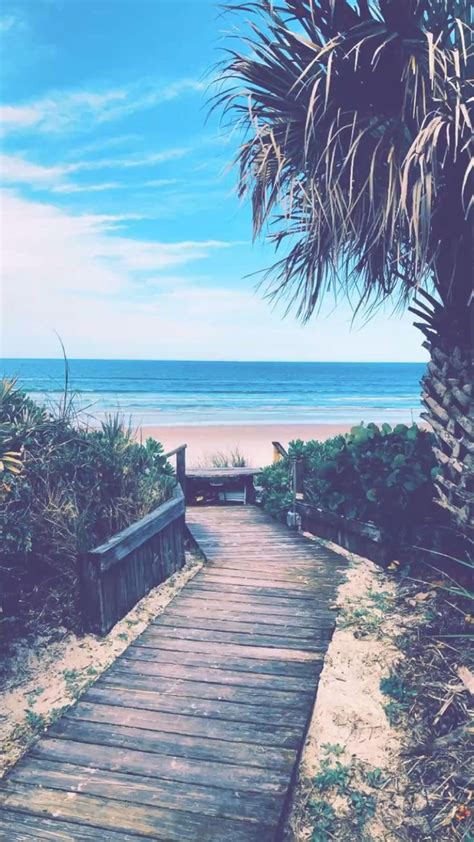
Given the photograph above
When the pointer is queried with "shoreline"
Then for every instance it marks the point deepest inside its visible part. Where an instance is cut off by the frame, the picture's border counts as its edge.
(254, 441)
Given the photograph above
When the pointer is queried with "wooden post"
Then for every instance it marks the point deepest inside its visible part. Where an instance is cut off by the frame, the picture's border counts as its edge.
(181, 467)
(180, 453)
(298, 478)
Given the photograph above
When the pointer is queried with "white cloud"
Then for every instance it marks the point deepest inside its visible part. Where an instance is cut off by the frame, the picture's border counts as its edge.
(162, 182)
(109, 295)
(88, 188)
(16, 170)
(135, 160)
(59, 271)
(62, 111)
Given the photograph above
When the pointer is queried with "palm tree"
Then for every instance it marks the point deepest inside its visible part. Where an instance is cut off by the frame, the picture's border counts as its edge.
(357, 153)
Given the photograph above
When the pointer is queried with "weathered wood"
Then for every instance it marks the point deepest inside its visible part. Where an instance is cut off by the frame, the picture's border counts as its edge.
(204, 690)
(203, 599)
(257, 589)
(139, 789)
(209, 708)
(153, 663)
(363, 538)
(21, 827)
(124, 542)
(151, 822)
(176, 745)
(250, 639)
(120, 572)
(193, 726)
(245, 626)
(168, 767)
(225, 660)
(222, 473)
(297, 658)
(193, 733)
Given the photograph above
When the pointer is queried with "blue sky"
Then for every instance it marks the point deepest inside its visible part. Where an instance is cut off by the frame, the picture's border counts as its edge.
(121, 230)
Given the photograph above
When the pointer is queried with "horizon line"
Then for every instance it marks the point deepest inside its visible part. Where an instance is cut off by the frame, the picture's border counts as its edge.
(203, 360)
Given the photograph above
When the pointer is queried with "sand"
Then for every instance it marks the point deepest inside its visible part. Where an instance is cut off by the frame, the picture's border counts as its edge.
(349, 711)
(253, 440)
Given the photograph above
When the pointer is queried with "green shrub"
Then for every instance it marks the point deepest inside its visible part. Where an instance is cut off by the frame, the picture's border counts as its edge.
(375, 474)
(274, 483)
(76, 488)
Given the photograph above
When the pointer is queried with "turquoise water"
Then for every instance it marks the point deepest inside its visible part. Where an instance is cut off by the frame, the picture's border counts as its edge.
(176, 392)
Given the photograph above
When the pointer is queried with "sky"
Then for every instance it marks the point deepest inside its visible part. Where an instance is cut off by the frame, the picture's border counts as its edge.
(120, 229)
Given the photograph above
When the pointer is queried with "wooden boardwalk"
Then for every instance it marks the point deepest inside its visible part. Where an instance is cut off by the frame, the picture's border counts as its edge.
(194, 732)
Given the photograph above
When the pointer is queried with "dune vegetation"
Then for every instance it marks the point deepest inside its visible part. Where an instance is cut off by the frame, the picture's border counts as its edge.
(64, 488)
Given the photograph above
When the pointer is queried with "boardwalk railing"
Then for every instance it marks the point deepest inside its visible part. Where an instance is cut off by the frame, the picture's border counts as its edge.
(120, 572)
(180, 453)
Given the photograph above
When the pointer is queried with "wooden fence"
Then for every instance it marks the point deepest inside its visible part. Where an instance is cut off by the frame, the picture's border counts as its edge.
(120, 572)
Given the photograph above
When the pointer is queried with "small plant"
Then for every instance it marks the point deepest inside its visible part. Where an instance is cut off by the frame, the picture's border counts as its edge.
(35, 720)
(401, 697)
(33, 695)
(381, 599)
(394, 686)
(366, 621)
(72, 680)
(331, 774)
(374, 778)
(324, 817)
(232, 458)
(394, 712)
(333, 748)
(363, 806)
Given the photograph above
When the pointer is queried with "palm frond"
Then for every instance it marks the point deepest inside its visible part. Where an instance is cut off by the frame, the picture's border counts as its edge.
(357, 154)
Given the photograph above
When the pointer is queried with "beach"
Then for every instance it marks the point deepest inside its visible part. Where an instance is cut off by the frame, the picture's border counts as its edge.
(254, 441)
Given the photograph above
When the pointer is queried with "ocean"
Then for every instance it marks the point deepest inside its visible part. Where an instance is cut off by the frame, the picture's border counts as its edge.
(167, 393)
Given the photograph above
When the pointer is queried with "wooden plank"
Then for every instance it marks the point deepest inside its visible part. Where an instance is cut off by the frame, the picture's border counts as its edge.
(222, 473)
(247, 626)
(165, 766)
(146, 663)
(176, 745)
(193, 726)
(157, 633)
(216, 612)
(150, 822)
(297, 658)
(257, 589)
(16, 826)
(297, 586)
(213, 660)
(245, 658)
(209, 708)
(199, 598)
(298, 578)
(139, 789)
(125, 677)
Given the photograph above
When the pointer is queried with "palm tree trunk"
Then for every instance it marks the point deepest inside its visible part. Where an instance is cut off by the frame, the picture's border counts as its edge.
(448, 393)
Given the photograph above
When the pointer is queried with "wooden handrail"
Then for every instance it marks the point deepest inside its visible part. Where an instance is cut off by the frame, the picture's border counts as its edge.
(180, 453)
(121, 571)
(175, 451)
